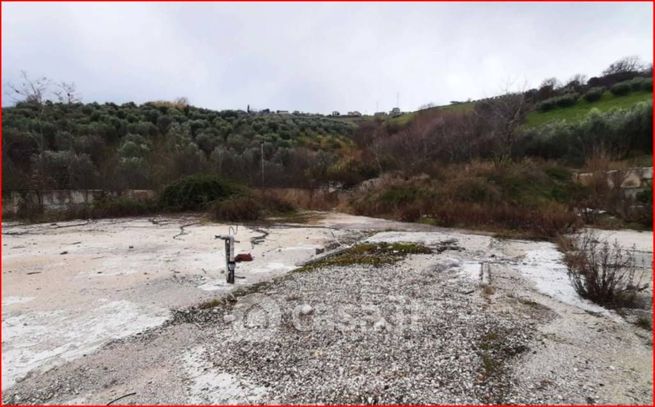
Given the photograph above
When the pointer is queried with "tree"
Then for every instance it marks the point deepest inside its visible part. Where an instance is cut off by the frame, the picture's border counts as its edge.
(625, 65)
(67, 93)
(29, 90)
(503, 116)
(576, 83)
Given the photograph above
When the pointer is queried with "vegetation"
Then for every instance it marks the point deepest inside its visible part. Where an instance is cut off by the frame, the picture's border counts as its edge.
(623, 132)
(532, 199)
(602, 272)
(50, 145)
(374, 254)
(502, 163)
(195, 192)
(249, 207)
(603, 102)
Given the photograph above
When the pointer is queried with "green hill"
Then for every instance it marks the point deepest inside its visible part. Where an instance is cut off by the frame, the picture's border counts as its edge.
(582, 107)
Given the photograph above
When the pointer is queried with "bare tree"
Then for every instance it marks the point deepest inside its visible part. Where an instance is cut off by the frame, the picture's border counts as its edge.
(502, 117)
(626, 64)
(551, 83)
(29, 90)
(576, 82)
(66, 93)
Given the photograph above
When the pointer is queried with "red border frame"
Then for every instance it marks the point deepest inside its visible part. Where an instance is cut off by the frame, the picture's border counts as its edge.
(326, 1)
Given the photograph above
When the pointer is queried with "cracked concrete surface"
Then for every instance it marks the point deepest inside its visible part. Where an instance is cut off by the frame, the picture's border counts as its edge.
(425, 330)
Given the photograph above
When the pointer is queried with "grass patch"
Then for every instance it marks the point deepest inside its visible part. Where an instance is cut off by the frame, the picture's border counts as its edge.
(580, 109)
(372, 254)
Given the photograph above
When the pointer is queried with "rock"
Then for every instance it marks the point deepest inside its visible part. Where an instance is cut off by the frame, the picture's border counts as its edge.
(305, 309)
(444, 264)
(380, 325)
(229, 318)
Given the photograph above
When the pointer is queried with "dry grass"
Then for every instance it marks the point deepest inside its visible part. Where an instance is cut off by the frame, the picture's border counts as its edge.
(527, 199)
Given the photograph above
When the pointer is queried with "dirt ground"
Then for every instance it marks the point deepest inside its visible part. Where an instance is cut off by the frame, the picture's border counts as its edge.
(92, 311)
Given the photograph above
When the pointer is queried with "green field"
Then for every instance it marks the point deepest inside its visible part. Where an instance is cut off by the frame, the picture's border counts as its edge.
(582, 107)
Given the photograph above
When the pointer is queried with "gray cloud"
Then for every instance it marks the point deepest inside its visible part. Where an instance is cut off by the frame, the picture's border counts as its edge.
(316, 56)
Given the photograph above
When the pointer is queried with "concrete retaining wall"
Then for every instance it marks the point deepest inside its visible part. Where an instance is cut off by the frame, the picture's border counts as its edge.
(61, 200)
(632, 181)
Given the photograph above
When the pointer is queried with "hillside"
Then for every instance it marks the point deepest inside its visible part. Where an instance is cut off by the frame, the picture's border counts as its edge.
(582, 107)
(109, 146)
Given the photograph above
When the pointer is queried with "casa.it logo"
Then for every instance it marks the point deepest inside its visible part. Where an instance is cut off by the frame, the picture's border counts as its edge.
(258, 317)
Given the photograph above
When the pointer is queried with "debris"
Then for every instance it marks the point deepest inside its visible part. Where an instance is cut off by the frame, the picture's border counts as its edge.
(243, 257)
(33, 272)
(64, 252)
(121, 397)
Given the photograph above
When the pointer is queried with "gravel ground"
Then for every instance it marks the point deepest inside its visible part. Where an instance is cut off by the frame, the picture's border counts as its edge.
(424, 330)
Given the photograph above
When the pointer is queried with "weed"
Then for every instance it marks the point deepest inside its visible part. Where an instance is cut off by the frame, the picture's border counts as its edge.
(601, 271)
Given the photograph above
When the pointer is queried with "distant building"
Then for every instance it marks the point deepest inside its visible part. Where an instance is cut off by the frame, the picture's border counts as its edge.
(336, 113)
(354, 113)
(395, 112)
(380, 114)
(282, 112)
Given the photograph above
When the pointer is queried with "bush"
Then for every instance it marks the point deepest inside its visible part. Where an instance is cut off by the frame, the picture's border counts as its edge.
(640, 83)
(122, 206)
(236, 208)
(195, 192)
(624, 131)
(546, 105)
(248, 207)
(566, 100)
(594, 94)
(621, 88)
(602, 272)
(273, 204)
(647, 84)
(521, 197)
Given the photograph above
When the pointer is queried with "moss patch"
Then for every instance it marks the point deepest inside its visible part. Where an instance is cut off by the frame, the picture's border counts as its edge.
(373, 254)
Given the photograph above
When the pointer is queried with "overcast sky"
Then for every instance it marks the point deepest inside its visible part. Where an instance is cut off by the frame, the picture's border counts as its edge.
(315, 57)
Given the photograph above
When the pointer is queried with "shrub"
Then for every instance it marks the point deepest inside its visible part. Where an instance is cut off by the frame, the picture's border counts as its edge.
(29, 209)
(594, 94)
(639, 83)
(621, 88)
(546, 105)
(236, 208)
(647, 84)
(195, 192)
(566, 100)
(248, 207)
(272, 204)
(122, 206)
(602, 272)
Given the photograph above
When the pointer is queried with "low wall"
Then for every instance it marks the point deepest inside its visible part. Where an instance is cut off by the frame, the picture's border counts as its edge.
(63, 199)
(631, 181)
